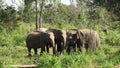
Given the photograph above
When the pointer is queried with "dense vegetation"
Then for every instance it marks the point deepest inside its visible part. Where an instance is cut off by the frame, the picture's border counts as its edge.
(15, 25)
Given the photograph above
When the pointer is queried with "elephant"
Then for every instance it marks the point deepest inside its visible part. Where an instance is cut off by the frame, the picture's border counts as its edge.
(43, 29)
(41, 40)
(72, 40)
(91, 38)
(84, 38)
(60, 38)
(51, 41)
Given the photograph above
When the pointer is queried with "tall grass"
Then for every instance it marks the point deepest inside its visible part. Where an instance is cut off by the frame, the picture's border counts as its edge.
(13, 51)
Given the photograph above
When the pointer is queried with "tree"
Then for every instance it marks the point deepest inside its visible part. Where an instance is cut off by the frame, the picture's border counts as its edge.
(38, 12)
(110, 5)
(37, 20)
(1, 4)
(8, 18)
(41, 11)
(28, 12)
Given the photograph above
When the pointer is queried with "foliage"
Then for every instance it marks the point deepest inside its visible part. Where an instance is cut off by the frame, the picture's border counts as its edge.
(8, 18)
(13, 38)
(113, 38)
(28, 12)
(110, 6)
(13, 33)
(13, 47)
(1, 65)
(83, 15)
(77, 60)
(116, 57)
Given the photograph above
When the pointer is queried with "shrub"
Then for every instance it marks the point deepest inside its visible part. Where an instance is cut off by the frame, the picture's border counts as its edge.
(115, 58)
(113, 38)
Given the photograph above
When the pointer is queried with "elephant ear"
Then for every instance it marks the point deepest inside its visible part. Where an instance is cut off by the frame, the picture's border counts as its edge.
(80, 35)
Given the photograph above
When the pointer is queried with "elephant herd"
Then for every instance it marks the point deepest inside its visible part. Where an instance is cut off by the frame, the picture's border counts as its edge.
(59, 40)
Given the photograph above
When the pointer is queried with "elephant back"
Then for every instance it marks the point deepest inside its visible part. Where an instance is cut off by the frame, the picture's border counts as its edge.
(33, 39)
(71, 31)
(42, 29)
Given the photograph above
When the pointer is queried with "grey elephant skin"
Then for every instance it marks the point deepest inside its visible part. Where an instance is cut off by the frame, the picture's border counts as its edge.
(60, 38)
(84, 38)
(72, 38)
(41, 40)
(91, 38)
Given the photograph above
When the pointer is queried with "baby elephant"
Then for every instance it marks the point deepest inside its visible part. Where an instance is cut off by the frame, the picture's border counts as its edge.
(42, 40)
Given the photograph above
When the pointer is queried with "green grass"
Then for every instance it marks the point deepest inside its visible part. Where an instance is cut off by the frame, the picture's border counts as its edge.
(13, 51)
(17, 56)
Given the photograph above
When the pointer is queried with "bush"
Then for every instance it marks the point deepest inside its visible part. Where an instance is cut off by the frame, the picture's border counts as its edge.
(1, 65)
(115, 58)
(113, 38)
(13, 38)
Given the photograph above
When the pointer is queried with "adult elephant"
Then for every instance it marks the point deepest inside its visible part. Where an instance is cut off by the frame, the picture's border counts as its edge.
(72, 40)
(60, 38)
(91, 38)
(38, 39)
(84, 38)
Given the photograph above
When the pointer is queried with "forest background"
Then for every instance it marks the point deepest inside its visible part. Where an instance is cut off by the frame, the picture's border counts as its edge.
(100, 15)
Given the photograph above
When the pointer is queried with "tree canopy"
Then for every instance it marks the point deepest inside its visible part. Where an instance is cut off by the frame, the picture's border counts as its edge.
(80, 12)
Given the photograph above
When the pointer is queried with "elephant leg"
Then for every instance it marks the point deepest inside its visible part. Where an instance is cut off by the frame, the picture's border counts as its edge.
(58, 48)
(80, 46)
(35, 51)
(47, 47)
(74, 47)
(62, 46)
(68, 49)
(42, 49)
(54, 50)
(86, 46)
(29, 51)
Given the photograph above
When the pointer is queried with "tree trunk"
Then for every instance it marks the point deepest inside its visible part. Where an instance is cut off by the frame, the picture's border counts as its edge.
(37, 19)
(41, 10)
